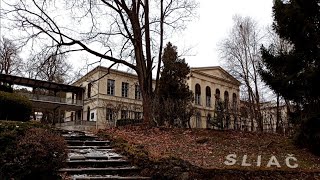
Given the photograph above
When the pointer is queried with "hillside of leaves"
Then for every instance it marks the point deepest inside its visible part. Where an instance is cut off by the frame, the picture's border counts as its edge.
(208, 149)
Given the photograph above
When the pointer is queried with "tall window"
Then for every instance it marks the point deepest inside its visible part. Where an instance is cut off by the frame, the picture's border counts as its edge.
(88, 113)
(208, 120)
(208, 96)
(110, 87)
(234, 101)
(92, 116)
(125, 89)
(71, 116)
(137, 93)
(226, 100)
(79, 113)
(217, 96)
(198, 120)
(109, 114)
(89, 90)
(198, 95)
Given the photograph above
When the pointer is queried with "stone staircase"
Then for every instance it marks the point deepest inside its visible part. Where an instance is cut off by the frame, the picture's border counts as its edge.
(90, 158)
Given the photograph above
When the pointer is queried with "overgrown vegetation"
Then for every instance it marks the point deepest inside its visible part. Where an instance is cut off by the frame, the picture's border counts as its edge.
(30, 150)
(309, 135)
(6, 88)
(172, 106)
(14, 107)
(176, 153)
(294, 73)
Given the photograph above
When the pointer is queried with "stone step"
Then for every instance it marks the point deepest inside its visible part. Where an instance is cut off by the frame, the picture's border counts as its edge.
(98, 154)
(88, 177)
(87, 143)
(94, 157)
(82, 137)
(97, 163)
(90, 158)
(73, 133)
(84, 151)
(104, 157)
(100, 171)
(89, 147)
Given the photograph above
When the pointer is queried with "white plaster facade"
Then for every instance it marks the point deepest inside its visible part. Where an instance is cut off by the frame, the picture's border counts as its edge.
(100, 101)
(211, 81)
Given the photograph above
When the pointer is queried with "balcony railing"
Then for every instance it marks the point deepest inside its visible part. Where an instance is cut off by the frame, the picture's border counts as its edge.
(52, 99)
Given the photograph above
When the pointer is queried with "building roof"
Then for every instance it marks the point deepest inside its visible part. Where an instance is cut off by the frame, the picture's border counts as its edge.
(204, 71)
(106, 69)
(200, 70)
(11, 79)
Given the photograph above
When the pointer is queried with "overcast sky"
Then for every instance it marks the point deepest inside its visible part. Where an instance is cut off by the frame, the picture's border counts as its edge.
(203, 34)
(214, 23)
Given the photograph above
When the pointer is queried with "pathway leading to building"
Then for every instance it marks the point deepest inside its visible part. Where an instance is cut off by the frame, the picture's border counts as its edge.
(91, 158)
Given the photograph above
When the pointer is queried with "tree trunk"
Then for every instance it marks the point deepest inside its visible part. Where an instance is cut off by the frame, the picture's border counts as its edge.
(278, 114)
(147, 109)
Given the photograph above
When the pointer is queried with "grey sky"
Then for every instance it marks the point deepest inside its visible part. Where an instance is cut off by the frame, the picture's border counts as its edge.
(213, 25)
(203, 34)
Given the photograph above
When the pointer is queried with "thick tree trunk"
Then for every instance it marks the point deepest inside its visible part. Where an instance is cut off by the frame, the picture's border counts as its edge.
(147, 110)
(145, 82)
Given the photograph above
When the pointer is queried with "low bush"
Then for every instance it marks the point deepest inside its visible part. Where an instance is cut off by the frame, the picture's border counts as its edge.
(6, 88)
(308, 135)
(30, 151)
(125, 122)
(14, 107)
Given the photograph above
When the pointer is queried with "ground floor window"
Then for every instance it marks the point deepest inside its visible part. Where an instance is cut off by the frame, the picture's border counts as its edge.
(109, 114)
(92, 116)
(88, 113)
(198, 120)
(124, 114)
(137, 115)
(208, 120)
(71, 116)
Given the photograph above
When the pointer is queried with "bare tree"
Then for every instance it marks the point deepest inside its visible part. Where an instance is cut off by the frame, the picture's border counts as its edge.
(10, 61)
(241, 51)
(277, 45)
(49, 65)
(128, 32)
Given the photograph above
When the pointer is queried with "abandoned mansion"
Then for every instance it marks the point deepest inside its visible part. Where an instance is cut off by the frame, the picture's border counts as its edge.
(112, 95)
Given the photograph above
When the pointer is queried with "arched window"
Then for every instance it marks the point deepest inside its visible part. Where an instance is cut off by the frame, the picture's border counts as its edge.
(234, 101)
(208, 96)
(217, 93)
(217, 100)
(226, 100)
(198, 94)
(198, 120)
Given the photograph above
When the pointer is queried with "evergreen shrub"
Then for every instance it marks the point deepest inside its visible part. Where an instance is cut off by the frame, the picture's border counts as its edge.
(14, 107)
(30, 150)
(308, 135)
